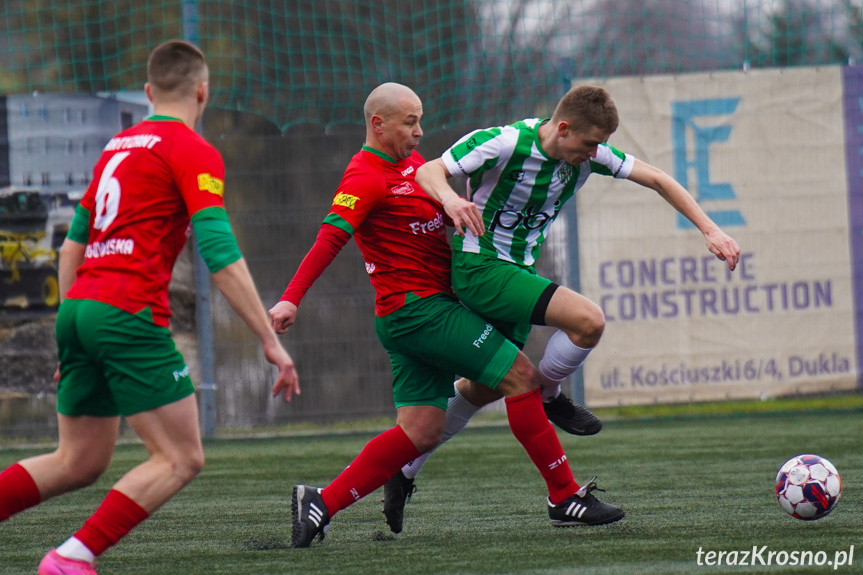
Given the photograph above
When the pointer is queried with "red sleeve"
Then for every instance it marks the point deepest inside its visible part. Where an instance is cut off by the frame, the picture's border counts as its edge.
(199, 172)
(328, 244)
(360, 192)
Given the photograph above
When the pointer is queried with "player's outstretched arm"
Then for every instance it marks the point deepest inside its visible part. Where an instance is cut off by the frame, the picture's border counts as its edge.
(718, 242)
(327, 246)
(432, 177)
(235, 282)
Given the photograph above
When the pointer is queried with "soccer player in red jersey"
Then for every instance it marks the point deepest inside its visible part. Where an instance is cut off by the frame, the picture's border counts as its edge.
(116, 354)
(427, 333)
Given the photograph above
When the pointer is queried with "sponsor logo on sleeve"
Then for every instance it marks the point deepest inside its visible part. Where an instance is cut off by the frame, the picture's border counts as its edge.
(345, 200)
(212, 184)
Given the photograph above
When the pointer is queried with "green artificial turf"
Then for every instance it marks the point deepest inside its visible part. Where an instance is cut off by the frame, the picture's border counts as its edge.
(686, 484)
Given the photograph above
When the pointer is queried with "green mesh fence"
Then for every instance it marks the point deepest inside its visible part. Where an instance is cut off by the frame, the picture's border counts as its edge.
(304, 61)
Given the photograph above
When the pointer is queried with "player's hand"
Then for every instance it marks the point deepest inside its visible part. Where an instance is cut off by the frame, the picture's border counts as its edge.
(287, 383)
(723, 246)
(57, 373)
(282, 316)
(464, 214)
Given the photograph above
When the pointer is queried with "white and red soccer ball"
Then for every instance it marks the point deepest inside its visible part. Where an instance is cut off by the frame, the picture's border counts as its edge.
(808, 487)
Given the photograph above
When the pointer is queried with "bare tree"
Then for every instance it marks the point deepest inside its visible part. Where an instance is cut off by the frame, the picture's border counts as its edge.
(472, 61)
(800, 32)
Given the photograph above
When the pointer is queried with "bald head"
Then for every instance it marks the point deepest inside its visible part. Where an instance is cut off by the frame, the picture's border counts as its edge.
(393, 113)
(389, 99)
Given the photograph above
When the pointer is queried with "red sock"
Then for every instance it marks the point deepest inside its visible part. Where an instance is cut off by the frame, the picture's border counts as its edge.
(379, 460)
(112, 521)
(532, 429)
(18, 491)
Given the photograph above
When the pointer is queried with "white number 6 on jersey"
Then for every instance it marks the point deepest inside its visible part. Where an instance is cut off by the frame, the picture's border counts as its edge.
(108, 193)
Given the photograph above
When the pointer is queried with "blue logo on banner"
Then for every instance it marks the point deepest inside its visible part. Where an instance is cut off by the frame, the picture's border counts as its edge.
(684, 115)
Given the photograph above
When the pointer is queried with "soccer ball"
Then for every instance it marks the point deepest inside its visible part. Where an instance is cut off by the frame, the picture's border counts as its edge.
(808, 487)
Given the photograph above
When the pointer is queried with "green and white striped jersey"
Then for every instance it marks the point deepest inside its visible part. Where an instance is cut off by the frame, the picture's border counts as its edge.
(518, 189)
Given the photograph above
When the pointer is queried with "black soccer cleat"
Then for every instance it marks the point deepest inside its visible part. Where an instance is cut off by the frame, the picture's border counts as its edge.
(310, 515)
(583, 508)
(397, 493)
(571, 417)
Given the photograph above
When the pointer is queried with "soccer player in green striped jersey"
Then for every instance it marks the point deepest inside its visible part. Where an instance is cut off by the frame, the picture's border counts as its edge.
(518, 179)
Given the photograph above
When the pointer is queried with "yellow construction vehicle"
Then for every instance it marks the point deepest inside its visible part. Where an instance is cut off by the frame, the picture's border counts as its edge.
(32, 227)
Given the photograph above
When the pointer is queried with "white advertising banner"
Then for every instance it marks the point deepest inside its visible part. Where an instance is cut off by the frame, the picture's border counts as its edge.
(763, 152)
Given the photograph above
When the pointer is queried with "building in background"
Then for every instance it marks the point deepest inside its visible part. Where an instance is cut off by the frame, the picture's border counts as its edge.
(52, 141)
(49, 144)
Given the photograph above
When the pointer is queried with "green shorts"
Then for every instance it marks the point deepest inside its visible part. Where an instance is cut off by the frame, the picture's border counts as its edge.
(433, 339)
(511, 297)
(115, 363)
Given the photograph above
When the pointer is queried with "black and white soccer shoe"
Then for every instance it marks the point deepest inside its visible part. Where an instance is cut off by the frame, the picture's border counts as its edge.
(397, 493)
(310, 515)
(571, 417)
(583, 508)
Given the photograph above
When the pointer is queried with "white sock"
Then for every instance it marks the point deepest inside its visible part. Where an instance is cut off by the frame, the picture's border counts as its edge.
(74, 549)
(561, 359)
(458, 413)
(550, 390)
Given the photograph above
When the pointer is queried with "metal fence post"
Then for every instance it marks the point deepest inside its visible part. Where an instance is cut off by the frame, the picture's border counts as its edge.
(207, 385)
(576, 383)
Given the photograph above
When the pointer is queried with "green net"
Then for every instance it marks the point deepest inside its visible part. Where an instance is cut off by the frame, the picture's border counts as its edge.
(304, 61)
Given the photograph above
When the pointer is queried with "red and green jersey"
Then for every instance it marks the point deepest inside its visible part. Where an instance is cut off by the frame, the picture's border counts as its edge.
(399, 229)
(148, 183)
